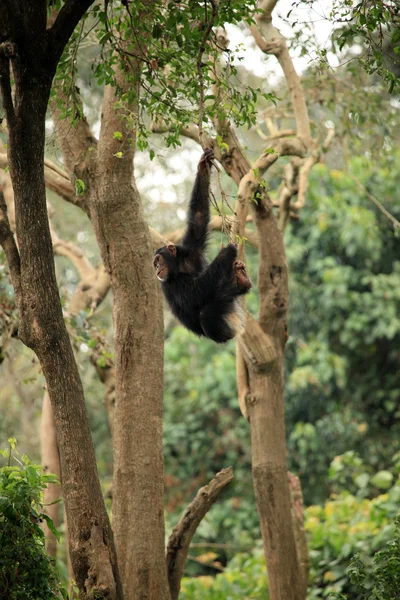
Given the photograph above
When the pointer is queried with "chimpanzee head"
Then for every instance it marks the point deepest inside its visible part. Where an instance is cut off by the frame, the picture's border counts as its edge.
(167, 262)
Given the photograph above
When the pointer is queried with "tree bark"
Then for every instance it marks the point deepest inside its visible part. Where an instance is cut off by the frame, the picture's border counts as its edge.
(51, 464)
(138, 484)
(42, 327)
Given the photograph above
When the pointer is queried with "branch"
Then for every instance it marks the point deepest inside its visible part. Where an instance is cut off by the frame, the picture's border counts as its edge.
(242, 379)
(307, 165)
(289, 189)
(7, 50)
(396, 223)
(57, 181)
(257, 347)
(75, 255)
(183, 532)
(214, 9)
(271, 41)
(217, 223)
(67, 19)
(249, 183)
(192, 132)
(7, 241)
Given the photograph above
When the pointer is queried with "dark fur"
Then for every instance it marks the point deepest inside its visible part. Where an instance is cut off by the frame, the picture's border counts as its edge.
(202, 296)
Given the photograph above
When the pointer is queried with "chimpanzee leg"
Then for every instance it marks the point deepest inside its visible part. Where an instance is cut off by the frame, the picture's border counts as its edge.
(222, 320)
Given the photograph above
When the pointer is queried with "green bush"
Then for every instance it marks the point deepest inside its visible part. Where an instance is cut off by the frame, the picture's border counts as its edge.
(26, 571)
(354, 553)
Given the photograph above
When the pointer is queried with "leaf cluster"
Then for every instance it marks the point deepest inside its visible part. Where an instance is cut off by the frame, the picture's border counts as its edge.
(160, 48)
(26, 571)
(375, 24)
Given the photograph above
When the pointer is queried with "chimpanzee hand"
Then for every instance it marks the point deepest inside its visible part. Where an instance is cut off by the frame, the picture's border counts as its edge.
(206, 160)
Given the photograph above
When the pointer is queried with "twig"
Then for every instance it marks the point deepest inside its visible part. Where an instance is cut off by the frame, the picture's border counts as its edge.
(214, 7)
(396, 223)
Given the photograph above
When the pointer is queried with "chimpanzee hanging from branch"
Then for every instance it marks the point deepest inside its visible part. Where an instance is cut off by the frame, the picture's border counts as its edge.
(204, 297)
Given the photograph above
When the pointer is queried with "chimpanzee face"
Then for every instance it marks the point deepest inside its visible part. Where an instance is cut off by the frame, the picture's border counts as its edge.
(165, 262)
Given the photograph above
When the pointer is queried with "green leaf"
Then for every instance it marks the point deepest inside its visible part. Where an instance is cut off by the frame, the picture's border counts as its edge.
(382, 480)
(50, 525)
(79, 187)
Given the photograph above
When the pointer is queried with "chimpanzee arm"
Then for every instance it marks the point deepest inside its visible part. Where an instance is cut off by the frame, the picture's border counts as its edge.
(199, 210)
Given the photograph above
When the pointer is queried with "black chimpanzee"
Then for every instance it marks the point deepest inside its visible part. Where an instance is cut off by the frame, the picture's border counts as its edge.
(204, 297)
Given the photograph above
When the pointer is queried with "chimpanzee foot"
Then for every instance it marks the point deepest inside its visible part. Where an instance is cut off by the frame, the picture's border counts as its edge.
(242, 279)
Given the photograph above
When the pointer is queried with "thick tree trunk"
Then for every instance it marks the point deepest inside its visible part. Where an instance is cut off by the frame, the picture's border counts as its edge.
(267, 419)
(42, 328)
(261, 390)
(138, 484)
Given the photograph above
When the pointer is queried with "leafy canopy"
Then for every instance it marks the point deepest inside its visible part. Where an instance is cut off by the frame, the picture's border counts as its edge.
(182, 57)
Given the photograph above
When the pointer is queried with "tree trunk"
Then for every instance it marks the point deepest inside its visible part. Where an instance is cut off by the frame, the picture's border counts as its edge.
(138, 484)
(42, 328)
(51, 464)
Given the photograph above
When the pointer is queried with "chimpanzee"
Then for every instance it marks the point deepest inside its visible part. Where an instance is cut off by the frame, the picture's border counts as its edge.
(204, 297)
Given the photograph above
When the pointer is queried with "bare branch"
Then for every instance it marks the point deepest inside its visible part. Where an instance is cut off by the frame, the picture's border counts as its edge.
(191, 132)
(7, 50)
(271, 41)
(67, 19)
(279, 133)
(217, 223)
(387, 214)
(249, 183)
(307, 165)
(7, 241)
(75, 255)
(57, 181)
(183, 532)
(289, 189)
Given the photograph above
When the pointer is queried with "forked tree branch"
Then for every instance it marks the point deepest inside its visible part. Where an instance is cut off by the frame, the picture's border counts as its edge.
(183, 532)
(63, 27)
(270, 41)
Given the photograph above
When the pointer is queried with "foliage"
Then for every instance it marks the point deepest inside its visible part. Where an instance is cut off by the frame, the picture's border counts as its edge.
(171, 42)
(245, 577)
(26, 571)
(342, 359)
(203, 433)
(376, 24)
(345, 526)
(386, 573)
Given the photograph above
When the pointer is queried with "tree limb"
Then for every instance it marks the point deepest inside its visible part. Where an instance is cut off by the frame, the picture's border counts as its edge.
(7, 50)
(7, 241)
(63, 27)
(271, 41)
(183, 532)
